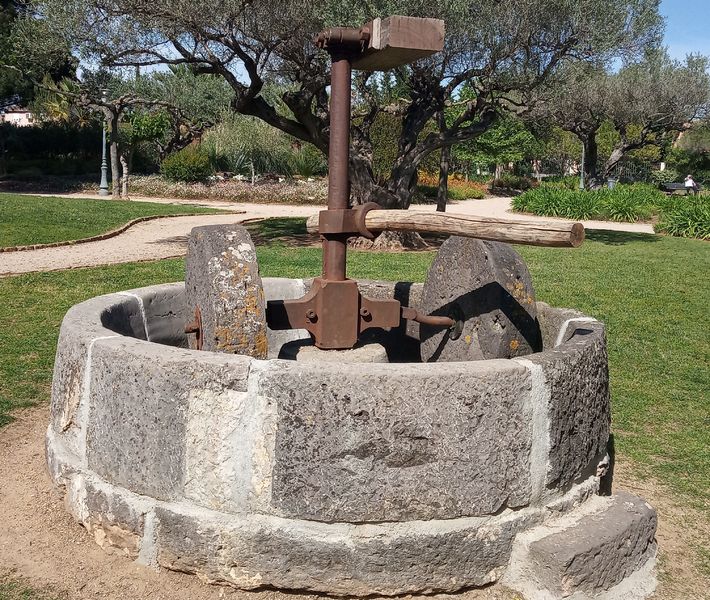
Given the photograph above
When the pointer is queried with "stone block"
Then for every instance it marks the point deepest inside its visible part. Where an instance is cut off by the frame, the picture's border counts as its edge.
(222, 279)
(82, 324)
(338, 559)
(139, 396)
(362, 353)
(599, 551)
(554, 323)
(114, 517)
(386, 443)
(487, 287)
(576, 374)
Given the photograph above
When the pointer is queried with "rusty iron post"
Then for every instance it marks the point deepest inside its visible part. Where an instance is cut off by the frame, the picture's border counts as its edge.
(335, 244)
(334, 311)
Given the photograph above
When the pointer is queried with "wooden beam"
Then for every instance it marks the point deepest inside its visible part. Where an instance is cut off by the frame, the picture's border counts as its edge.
(397, 41)
(564, 234)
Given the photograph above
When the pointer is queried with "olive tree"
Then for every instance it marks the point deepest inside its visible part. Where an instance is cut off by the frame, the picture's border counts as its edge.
(645, 102)
(502, 50)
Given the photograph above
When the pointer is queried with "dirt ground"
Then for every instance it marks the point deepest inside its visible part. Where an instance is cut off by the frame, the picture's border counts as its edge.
(44, 548)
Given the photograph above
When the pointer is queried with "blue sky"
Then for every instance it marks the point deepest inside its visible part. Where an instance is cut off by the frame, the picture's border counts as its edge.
(687, 26)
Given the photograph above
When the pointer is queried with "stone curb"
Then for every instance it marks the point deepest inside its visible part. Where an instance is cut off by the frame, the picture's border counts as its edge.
(605, 550)
(252, 551)
(103, 236)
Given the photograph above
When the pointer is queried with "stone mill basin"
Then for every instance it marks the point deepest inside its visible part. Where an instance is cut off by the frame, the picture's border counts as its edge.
(340, 477)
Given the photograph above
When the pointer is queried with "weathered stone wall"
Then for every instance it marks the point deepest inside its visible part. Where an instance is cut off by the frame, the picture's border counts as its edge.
(406, 477)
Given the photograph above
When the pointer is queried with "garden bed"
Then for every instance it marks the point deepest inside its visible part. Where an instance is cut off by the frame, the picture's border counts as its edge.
(681, 216)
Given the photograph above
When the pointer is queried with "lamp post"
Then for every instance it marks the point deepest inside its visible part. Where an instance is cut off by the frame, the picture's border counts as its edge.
(103, 186)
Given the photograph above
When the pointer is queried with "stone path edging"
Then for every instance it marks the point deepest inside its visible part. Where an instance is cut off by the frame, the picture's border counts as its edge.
(101, 236)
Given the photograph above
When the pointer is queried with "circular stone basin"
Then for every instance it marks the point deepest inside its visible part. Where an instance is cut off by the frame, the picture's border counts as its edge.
(385, 478)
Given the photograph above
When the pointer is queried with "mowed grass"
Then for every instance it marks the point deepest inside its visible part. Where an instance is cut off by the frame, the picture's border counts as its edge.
(27, 220)
(652, 292)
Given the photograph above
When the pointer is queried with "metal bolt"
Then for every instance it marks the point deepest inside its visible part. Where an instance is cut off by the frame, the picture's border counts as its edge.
(311, 315)
(364, 313)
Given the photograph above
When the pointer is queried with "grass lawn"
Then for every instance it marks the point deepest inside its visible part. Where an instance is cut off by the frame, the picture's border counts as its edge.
(26, 220)
(652, 292)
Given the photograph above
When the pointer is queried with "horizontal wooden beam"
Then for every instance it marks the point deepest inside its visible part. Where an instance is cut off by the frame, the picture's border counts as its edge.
(563, 234)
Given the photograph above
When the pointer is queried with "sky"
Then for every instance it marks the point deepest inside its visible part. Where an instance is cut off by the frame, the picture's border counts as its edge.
(687, 26)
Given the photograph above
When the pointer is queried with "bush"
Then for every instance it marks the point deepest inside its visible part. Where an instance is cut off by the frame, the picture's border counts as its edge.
(189, 165)
(623, 203)
(514, 182)
(466, 192)
(632, 203)
(546, 200)
(565, 182)
(308, 161)
(458, 190)
(667, 176)
(679, 215)
(233, 190)
(690, 218)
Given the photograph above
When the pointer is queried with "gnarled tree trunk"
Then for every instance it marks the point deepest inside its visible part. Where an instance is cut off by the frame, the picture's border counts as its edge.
(591, 157)
(443, 191)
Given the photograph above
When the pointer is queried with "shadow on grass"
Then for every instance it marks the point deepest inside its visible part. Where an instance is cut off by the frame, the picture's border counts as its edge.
(619, 238)
(286, 231)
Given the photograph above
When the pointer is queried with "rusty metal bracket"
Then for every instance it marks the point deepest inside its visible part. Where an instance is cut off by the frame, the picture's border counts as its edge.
(196, 328)
(334, 312)
(350, 221)
(344, 39)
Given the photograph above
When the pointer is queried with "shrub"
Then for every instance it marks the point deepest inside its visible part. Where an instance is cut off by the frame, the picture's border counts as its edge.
(308, 161)
(690, 218)
(629, 202)
(458, 191)
(582, 205)
(566, 182)
(546, 200)
(623, 203)
(667, 176)
(514, 182)
(189, 165)
(466, 192)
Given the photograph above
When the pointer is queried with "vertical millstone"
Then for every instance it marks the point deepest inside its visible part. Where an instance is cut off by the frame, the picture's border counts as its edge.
(222, 280)
(485, 286)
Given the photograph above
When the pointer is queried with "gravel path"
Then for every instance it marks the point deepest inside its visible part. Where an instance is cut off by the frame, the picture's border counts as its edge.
(152, 240)
(165, 238)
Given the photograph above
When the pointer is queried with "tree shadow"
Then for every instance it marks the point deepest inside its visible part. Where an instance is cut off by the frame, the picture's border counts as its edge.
(287, 231)
(619, 238)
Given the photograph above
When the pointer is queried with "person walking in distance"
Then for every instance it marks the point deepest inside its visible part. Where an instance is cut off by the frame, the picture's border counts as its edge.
(690, 186)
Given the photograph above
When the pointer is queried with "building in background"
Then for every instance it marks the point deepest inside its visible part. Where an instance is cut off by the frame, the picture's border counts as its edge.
(18, 116)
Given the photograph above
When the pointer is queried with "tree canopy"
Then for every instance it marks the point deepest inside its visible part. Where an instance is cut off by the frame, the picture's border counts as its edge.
(502, 50)
(645, 102)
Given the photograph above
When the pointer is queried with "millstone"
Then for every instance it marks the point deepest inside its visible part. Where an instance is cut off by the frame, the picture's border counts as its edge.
(486, 286)
(222, 280)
